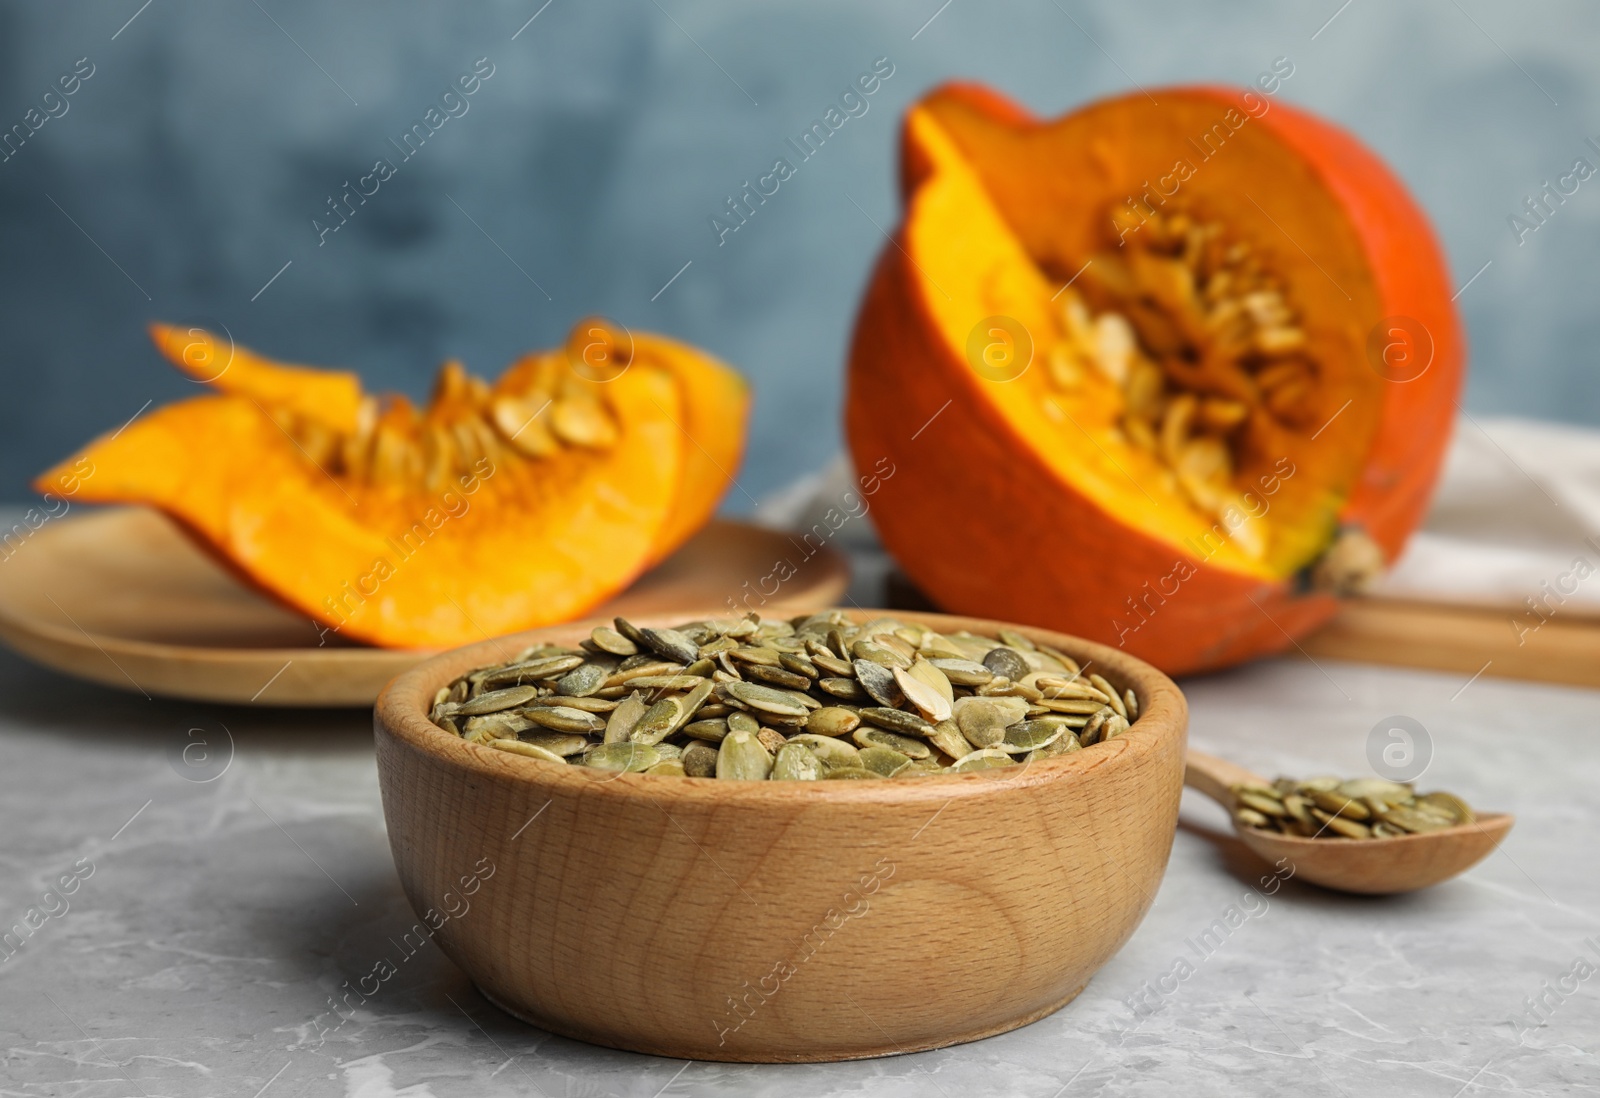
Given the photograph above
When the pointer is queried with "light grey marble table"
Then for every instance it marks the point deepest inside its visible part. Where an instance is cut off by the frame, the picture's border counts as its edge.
(209, 923)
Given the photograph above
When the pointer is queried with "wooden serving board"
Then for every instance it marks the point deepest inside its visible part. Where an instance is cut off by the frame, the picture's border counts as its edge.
(1469, 640)
(1472, 640)
(123, 598)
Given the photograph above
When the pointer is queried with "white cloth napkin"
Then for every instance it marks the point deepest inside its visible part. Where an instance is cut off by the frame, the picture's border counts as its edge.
(1516, 516)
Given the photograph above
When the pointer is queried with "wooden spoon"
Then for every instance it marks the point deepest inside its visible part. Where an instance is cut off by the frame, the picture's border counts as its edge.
(1376, 866)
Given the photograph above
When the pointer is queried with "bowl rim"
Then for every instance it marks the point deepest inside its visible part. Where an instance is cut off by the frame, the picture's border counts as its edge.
(401, 713)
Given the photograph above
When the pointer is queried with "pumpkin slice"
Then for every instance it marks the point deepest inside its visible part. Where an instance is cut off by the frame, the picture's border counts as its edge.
(1143, 364)
(716, 400)
(493, 509)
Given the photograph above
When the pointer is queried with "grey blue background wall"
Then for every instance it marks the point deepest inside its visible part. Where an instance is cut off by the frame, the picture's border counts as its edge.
(189, 168)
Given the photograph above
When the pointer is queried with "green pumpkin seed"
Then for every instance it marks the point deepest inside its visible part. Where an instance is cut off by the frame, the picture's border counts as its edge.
(963, 672)
(1025, 736)
(831, 720)
(981, 760)
(1449, 805)
(527, 750)
(609, 640)
(699, 761)
(832, 752)
(621, 757)
(897, 720)
(558, 743)
(559, 718)
(878, 681)
(800, 666)
(625, 718)
(947, 737)
(844, 689)
(885, 761)
(878, 737)
(927, 700)
(1066, 745)
(742, 758)
(507, 724)
(1006, 662)
(580, 682)
(879, 652)
(588, 705)
(670, 768)
(767, 700)
(670, 644)
(657, 683)
(658, 721)
(708, 731)
(850, 773)
(833, 665)
(794, 762)
(777, 676)
(983, 721)
(531, 670)
(494, 701)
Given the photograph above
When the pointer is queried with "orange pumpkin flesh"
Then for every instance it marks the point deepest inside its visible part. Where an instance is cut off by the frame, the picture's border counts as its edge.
(493, 509)
(1161, 454)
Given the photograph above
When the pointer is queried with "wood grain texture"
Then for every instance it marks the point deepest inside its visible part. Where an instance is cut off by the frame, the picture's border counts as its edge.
(121, 597)
(1369, 866)
(1464, 639)
(791, 921)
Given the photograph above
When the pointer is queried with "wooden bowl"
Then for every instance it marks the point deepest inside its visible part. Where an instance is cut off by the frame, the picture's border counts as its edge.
(771, 922)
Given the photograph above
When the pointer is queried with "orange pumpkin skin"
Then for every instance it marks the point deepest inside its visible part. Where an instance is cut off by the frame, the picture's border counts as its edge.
(980, 521)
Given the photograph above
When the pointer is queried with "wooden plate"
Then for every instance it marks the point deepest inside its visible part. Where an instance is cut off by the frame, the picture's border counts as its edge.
(123, 598)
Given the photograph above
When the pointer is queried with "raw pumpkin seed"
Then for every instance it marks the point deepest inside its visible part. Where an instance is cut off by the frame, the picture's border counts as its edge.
(493, 701)
(557, 743)
(580, 682)
(905, 745)
(558, 718)
(846, 773)
(708, 731)
(819, 697)
(963, 672)
(777, 676)
(784, 703)
(1025, 736)
(885, 761)
(699, 761)
(982, 760)
(609, 640)
(925, 698)
(829, 751)
(896, 720)
(832, 720)
(794, 762)
(1361, 808)
(530, 750)
(624, 718)
(670, 644)
(621, 757)
(1006, 663)
(743, 758)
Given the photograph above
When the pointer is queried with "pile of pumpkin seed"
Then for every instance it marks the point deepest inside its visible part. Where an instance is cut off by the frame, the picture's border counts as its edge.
(1360, 808)
(812, 698)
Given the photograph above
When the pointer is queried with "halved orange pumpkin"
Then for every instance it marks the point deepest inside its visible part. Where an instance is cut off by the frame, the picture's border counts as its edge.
(1142, 371)
(491, 510)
